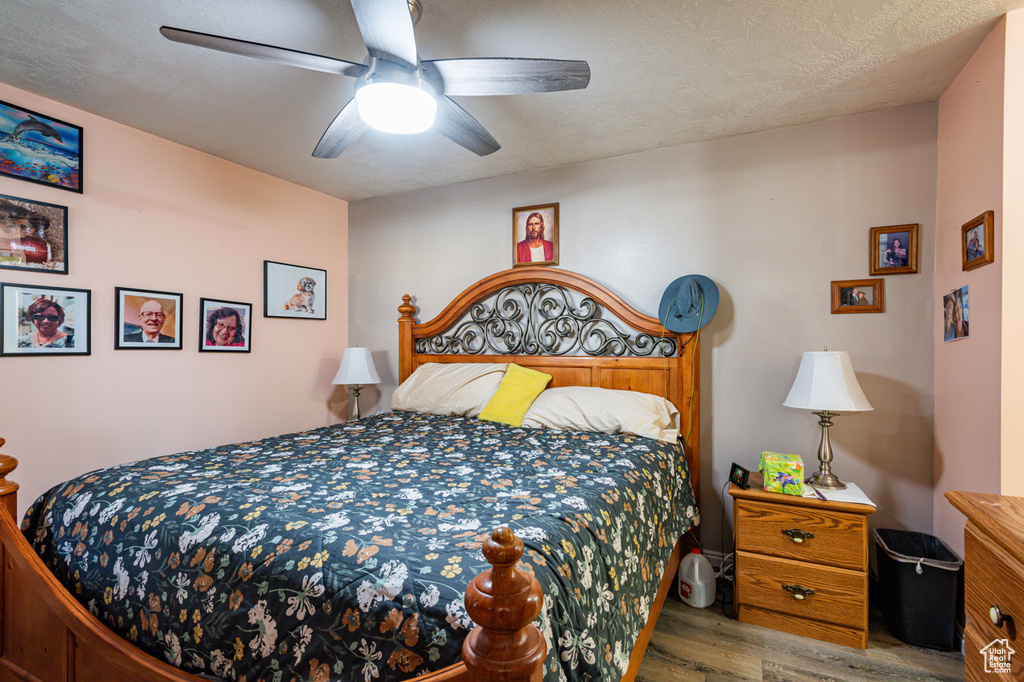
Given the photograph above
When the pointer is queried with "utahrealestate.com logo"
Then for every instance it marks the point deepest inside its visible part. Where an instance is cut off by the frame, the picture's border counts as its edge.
(997, 656)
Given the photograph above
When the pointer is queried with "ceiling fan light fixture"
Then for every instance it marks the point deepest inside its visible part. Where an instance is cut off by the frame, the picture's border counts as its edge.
(395, 100)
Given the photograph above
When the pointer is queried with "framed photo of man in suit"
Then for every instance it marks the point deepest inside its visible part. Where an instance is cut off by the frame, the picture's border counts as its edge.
(535, 235)
(146, 320)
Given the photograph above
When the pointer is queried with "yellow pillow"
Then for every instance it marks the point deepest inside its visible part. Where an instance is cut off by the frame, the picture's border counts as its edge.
(516, 393)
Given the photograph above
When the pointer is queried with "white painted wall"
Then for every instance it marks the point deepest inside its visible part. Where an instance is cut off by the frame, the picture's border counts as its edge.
(772, 217)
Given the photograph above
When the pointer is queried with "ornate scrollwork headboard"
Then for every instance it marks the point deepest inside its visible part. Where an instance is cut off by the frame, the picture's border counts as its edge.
(568, 326)
(535, 318)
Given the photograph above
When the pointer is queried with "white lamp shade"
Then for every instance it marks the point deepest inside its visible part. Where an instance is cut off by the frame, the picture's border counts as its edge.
(825, 381)
(356, 368)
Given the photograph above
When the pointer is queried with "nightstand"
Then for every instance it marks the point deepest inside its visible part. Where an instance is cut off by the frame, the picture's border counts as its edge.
(801, 564)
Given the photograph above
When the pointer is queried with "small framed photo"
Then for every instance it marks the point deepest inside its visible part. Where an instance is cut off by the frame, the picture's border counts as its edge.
(858, 296)
(224, 325)
(33, 235)
(294, 291)
(955, 315)
(977, 241)
(893, 250)
(535, 235)
(44, 320)
(40, 148)
(145, 319)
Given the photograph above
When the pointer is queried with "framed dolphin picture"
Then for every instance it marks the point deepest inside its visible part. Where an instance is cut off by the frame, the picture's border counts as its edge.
(40, 148)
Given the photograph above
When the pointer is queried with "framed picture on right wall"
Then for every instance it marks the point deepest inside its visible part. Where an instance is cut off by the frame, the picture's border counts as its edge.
(977, 241)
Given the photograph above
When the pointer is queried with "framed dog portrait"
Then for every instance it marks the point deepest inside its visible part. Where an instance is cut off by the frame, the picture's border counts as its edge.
(893, 250)
(146, 320)
(535, 235)
(858, 296)
(294, 291)
(44, 320)
(977, 241)
(33, 235)
(40, 148)
(224, 326)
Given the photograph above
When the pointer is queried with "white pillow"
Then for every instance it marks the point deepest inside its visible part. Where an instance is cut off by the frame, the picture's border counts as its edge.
(605, 410)
(453, 388)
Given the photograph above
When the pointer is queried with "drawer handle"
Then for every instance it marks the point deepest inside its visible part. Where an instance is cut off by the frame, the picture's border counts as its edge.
(996, 616)
(797, 535)
(798, 591)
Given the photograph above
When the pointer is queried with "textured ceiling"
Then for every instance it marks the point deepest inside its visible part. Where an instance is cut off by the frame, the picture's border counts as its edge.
(665, 72)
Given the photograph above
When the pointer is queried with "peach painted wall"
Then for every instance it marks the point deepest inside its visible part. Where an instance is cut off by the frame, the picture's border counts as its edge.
(967, 371)
(1012, 254)
(157, 215)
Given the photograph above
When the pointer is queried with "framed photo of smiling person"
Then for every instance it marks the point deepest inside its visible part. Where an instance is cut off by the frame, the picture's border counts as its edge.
(224, 325)
(44, 320)
(146, 320)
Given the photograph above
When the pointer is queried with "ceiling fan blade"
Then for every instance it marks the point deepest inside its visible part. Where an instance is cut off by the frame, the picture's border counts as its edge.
(346, 128)
(507, 75)
(278, 55)
(386, 27)
(453, 122)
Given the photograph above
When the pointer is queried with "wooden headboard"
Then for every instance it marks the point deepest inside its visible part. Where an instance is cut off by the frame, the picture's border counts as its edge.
(529, 316)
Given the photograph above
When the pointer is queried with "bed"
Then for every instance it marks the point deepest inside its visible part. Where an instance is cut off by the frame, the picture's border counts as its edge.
(280, 514)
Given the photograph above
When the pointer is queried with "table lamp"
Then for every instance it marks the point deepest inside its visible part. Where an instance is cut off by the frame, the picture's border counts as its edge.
(356, 369)
(826, 384)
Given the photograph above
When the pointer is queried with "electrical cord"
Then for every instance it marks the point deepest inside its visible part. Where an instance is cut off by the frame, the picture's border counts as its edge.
(724, 578)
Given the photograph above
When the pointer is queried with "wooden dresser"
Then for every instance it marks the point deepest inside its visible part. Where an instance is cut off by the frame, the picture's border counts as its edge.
(801, 564)
(993, 585)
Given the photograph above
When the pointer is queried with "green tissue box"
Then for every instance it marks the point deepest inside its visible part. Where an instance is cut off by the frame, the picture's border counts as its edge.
(782, 473)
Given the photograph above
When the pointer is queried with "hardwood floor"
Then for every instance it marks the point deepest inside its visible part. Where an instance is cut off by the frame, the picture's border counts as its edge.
(702, 645)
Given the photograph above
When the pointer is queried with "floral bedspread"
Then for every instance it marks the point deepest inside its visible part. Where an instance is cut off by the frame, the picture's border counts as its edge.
(343, 553)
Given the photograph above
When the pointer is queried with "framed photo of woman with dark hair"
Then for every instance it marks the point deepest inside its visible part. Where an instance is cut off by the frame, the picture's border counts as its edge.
(44, 320)
(224, 326)
(893, 250)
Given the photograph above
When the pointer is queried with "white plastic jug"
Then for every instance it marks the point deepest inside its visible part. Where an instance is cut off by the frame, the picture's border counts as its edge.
(696, 580)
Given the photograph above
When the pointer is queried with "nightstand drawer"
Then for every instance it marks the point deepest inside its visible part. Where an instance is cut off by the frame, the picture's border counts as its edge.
(991, 579)
(839, 595)
(782, 530)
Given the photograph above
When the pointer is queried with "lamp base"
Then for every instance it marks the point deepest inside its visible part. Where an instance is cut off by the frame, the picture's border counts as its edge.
(355, 394)
(826, 481)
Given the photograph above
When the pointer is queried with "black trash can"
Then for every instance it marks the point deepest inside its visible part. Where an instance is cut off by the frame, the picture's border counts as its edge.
(921, 583)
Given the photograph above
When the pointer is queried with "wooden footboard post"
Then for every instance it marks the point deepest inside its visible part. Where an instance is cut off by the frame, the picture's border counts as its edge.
(8, 489)
(503, 602)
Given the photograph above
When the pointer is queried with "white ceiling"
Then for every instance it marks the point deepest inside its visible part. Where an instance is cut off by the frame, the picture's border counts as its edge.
(665, 72)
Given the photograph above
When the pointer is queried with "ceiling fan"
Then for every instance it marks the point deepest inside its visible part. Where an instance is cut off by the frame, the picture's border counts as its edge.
(395, 90)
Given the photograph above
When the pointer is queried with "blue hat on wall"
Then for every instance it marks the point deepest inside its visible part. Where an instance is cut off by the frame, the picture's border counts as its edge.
(688, 304)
